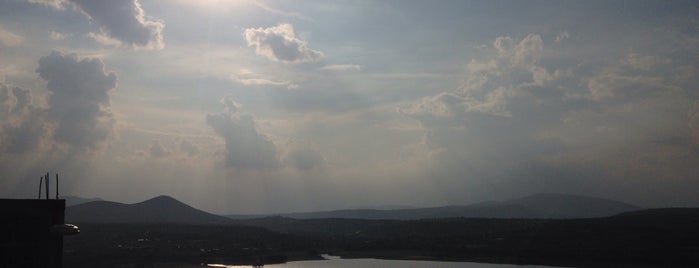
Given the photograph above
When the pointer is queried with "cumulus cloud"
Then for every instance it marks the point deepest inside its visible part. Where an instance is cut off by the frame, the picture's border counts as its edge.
(120, 22)
(245, 146)
(21, 128)
(78, 105)
(515, 121)
(124, 21)
(280, 43)
(490, 86)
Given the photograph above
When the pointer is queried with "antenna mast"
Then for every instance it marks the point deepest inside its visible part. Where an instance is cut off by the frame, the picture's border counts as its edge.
(40, 181)
(56, 186)
(47, 185)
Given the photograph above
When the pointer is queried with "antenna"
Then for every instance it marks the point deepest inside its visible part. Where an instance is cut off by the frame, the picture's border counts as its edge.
(40, 181)
(56, 186)
(47, 185)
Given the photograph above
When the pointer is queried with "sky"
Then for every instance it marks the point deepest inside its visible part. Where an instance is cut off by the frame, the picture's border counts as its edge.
(237, 106)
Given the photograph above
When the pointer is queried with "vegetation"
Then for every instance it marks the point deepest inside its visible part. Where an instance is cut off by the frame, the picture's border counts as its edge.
(653, 238)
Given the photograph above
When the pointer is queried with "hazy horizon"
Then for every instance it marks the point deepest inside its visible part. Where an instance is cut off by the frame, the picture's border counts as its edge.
(238, 107)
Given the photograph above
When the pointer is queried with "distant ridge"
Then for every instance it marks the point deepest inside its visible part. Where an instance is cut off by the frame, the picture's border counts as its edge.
(538, 206)
(75, 200)
(161, 209)
(663, 212)
(557, 206)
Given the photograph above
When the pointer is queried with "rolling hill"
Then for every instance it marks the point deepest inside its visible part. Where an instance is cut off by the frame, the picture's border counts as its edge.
(538, 206)
(165, 209)
(161, 209)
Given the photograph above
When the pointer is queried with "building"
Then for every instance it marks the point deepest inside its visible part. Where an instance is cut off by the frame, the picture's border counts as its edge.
(32, 232)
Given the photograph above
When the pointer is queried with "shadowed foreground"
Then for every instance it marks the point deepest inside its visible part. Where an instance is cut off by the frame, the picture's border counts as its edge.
(666, 237)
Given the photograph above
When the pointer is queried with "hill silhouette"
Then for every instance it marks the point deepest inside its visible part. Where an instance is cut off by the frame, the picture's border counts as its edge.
(161, 209)
(538, 206)
(663, 212)
(165, 209)
(76, 200)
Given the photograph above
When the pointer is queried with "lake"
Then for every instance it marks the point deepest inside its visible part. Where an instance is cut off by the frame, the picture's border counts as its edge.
(369, 263)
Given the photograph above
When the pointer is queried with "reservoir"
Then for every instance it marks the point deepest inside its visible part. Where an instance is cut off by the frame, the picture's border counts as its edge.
(377, 263)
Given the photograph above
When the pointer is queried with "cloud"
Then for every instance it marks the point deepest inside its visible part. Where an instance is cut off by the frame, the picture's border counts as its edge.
(124, 21)
(517, 123)
(302, 156)
(245, 146)
(190, 149)
(342, 67)
(279, 11)
(54, 3)
(79, 102)
(53, 35)
(491, 85)
(562, 36)
(21, 127)
(249, 78)
(157, 150)
(279, 43)
(10, 39)
(120, 22)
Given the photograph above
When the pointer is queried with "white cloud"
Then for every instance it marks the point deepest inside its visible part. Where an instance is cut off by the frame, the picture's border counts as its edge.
(120, 22)
(54, 35)
(260, 81)
(249, 78)
(124, 21)
(157, 150)
(562, 36)
(245, 146)
(516, 120)
(279, 11)
(54, 3)
(79, 101)
(342, 67)
(10, 39)
(489, 86)
(76, 114)
(279, 43)
(104, 39)
(22, 128)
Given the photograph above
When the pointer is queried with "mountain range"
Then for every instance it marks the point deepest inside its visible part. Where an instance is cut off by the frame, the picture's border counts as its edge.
(538, 206)
(165, 209)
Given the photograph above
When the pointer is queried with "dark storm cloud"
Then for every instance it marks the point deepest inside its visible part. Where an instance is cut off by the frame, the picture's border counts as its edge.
(280, 43)
(79, 102)
(245, 146)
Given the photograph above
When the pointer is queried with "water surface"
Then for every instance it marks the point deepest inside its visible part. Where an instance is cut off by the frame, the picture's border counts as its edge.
(377, 263)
